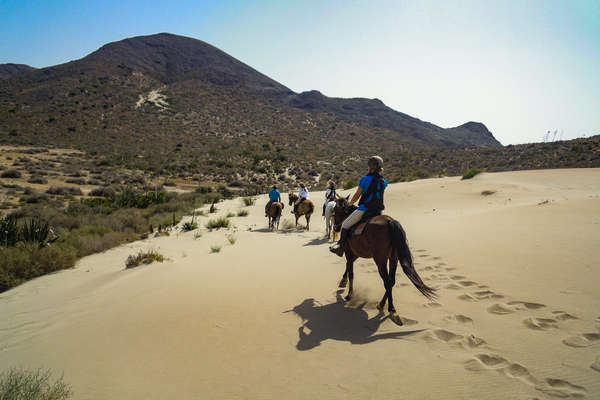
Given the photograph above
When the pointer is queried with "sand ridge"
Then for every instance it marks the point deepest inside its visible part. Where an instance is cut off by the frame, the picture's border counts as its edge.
(517, 314)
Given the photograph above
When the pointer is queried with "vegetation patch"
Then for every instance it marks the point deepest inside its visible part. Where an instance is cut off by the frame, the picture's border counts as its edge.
(471, 173)
(248, 201)
(242, 213)
(231, 239)
(11, 173)
(215, 249)
(22, 384)
(222, 222)
(143, 257)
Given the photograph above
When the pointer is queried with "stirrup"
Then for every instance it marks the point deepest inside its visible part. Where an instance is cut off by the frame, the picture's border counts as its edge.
(338, 251)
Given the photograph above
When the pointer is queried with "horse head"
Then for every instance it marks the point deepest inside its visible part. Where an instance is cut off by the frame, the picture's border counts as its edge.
(292, 198)
(341, 211)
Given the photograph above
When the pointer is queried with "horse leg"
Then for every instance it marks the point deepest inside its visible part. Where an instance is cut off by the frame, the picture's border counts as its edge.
(393, 263)
(344, 280)
(383, 273)
(350, 258)
(307, 216)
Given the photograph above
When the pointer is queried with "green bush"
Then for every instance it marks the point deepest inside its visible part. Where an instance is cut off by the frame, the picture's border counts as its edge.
(9, 231)
(350, 183)
(189, 226)
(248, 201)
(11, 173)
(242, 213)
(471, 173)
(21, 384)
(215, 249)
(222, 222)
(142, 257)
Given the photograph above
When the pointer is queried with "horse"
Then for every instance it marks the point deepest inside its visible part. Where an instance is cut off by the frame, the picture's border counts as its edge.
(383, 239)
(274, 215)
(305, 208)
(329, 211)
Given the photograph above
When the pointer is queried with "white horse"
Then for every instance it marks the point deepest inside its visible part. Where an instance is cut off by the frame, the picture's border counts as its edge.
(329, 211)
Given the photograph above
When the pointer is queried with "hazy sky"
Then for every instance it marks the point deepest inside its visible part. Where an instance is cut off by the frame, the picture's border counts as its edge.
(520, 67)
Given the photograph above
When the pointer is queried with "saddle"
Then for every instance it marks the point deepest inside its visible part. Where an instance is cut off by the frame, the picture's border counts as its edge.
(359, 227)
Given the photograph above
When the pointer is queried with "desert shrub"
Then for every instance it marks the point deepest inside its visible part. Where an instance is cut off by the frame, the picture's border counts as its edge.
(215, 249)
(169, 183)
(38, 179)
(350, 183)
(143, 257)
(471, 173)
(248, 201)
(189, 226)
(242, 213)
(231, 239)
(222, 222)
(64, 190)
(21, 384)
(102, 192)
(28, 260)
(230, 215)
(204, 189)
(9, 231)
(197, 235)
(76, 181)
(10, 173)
(35, 231)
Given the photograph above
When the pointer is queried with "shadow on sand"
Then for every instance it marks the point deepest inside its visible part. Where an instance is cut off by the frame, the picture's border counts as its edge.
(316, 241)
(337, 322)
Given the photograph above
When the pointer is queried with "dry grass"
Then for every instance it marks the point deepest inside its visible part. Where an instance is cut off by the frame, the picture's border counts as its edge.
(143, 257)
(22, 384)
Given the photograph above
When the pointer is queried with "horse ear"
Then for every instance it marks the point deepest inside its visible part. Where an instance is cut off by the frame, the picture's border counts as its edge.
(348, 197)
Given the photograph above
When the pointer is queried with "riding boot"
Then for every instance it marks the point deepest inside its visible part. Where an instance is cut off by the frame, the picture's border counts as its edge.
(339, 248)
(323, 210)
(295, 208)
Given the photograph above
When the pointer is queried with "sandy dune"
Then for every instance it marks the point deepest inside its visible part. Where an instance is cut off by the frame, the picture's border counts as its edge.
(518, 314)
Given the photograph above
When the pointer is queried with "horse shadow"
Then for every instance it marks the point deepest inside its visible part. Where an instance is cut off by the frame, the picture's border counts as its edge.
(316, 242)
(337, 322)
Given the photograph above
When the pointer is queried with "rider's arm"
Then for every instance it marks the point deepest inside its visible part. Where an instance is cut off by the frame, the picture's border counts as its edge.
(356, 195)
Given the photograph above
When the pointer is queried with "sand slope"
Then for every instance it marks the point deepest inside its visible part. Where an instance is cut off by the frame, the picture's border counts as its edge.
(518, 314)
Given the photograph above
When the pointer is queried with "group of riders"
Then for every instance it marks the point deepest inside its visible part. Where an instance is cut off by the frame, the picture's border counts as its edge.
(369, 195)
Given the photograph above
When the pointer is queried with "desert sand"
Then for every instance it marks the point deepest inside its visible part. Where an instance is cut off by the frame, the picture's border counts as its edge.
(518, 313)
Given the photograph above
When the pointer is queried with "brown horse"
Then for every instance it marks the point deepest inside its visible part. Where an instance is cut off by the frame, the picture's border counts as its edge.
(305, 208)
(274, 215)
(383, 240)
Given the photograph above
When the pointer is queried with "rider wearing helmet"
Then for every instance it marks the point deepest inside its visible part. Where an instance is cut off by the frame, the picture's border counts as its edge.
(370, 192)
(302, 195)
(330, 194)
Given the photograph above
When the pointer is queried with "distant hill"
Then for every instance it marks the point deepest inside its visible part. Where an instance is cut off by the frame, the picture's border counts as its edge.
(10, 70)
(178, 106)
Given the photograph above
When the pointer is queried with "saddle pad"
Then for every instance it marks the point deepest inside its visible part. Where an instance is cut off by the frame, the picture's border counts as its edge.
(359, 228)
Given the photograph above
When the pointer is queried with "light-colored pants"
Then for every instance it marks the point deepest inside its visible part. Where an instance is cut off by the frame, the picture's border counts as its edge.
(352, 219)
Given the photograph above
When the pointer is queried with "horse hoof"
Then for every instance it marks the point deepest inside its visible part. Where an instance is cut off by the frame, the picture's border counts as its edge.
(347, 298)
(396, 319)
(379, 307)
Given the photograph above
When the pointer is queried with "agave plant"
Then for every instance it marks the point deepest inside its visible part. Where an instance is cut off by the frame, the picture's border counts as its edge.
(35, 231)
(9, 231)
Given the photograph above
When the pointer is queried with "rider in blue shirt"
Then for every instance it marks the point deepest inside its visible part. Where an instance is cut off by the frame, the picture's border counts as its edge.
(370, 192)
(274, 195)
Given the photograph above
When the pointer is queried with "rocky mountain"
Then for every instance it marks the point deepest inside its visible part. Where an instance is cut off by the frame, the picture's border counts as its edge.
(177, 105)
(10, 70)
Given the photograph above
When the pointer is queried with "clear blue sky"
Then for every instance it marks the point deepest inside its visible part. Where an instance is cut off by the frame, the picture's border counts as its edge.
(520, 67)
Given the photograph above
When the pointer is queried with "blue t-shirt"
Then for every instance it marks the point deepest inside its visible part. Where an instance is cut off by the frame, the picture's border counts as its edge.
(274, 195)
(364, 183)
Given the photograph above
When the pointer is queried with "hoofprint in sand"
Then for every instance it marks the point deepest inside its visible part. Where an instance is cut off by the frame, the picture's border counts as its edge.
(518, 314)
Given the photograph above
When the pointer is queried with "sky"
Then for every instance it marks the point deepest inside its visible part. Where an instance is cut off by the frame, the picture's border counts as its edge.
(520, 67)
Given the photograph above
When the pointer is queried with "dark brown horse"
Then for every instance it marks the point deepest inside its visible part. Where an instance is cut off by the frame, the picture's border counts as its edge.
(383, 240)
(274, 215)
(305, 208)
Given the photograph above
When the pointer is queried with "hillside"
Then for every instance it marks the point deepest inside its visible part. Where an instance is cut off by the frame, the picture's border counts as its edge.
(178, 106)
(10, 70)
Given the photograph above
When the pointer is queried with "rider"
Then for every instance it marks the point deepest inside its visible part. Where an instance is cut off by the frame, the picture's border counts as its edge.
(330, 194)
(274, 196)
(302, 195)
(370, 191)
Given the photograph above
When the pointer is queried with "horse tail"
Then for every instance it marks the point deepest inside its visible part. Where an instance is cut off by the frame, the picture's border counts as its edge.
(311, 207)
(400, 244)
